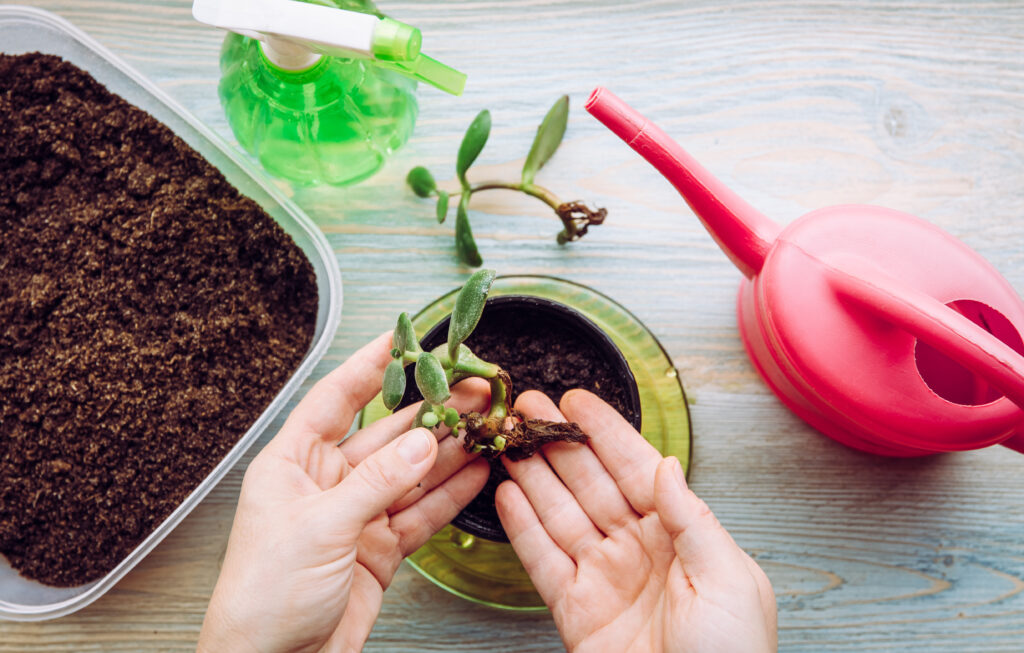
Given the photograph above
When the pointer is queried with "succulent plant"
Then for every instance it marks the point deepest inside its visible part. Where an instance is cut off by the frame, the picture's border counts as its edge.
(576, 217)
(501, 430)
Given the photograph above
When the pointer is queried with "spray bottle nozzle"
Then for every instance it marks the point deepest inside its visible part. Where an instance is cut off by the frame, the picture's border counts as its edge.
(295, 35)
(395, 41)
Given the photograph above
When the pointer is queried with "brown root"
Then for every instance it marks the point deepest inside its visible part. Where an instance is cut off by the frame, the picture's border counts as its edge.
(577, 218)
(520, 438)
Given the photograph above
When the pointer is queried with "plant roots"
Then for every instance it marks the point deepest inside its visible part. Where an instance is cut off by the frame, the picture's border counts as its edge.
(518, 437)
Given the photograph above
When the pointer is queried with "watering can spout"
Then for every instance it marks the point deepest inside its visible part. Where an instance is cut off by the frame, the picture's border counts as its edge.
(742, 231)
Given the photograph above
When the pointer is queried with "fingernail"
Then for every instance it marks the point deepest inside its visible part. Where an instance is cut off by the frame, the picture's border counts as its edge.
(678, 471)
(414, 447)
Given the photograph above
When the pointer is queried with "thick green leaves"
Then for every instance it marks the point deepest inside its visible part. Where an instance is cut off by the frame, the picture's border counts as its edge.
(425, 409)
(404, 338)
(442, 206)
(472, 143)
(548, 138)
(469, 306)
(465, 244)
(394, 384)
(431, 379)
(429, 420)
(421, 181)
(451, 417)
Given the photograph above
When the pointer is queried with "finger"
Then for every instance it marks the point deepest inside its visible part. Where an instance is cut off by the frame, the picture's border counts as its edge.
(629, 458)
(471, 394)
(705, 550)
(327, 410)
(559, 511)
(451, 457)
(550, 569)
(376, 483)
(580, 470)
(418, 522)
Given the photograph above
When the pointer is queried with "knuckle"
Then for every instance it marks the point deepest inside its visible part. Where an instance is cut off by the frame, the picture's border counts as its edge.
(701, 508)
(703, 516)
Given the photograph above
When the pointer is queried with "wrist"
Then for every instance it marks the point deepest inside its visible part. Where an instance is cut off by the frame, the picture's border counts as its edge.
(220, 633)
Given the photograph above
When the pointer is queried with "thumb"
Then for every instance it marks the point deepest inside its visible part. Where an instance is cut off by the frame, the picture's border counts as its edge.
(380, 480)
(703, 546)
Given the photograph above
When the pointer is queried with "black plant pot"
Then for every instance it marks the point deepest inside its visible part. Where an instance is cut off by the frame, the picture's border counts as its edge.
(546, 346)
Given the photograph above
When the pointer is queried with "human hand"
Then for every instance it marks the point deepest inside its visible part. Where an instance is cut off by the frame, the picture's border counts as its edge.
(626, 557)
(321, 528)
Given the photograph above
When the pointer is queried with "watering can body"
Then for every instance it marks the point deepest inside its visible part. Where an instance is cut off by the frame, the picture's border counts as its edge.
(874, 326)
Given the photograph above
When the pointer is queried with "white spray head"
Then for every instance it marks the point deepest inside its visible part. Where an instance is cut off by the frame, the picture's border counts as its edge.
(294, 36)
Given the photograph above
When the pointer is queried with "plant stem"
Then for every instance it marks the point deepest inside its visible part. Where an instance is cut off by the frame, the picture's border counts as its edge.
(473, 366)
(533, 190)
(576, 217)
(499, 397)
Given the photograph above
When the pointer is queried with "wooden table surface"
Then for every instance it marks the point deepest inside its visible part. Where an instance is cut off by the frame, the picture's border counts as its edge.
(911, 104)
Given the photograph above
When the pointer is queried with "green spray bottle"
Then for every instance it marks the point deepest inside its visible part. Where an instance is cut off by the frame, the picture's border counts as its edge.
(320, 91)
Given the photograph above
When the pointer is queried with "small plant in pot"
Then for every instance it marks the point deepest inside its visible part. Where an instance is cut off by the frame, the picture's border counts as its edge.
(516, 343)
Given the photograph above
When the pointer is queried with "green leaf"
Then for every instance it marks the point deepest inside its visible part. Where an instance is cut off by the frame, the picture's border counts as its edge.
(394, 384)
(429, 420)
(548, 138)
(421, 181)
(472, 143)
(404, 337)
(425, 409)
(469, 306)
(442, 206)
(451, 417)
(465, 244)
(431, 379)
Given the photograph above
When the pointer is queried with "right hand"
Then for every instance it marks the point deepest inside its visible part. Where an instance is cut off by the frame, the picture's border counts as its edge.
(624, 554)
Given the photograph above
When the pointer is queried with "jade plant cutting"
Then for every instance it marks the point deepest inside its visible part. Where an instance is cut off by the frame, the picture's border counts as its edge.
(576, 217)
(502, 429)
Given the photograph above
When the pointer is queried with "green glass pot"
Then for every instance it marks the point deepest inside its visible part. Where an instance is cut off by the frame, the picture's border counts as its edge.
(479, 566)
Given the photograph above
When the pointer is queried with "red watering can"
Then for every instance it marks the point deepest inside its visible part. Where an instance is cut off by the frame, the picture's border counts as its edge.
(877, 328)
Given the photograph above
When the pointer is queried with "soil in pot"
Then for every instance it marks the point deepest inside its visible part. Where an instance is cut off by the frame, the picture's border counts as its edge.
(148, 315)
(543, 346)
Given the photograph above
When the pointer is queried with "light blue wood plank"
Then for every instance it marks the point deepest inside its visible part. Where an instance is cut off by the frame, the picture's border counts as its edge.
(910, 104)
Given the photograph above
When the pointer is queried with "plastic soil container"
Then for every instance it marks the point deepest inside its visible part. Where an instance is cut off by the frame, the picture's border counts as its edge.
(24, 29)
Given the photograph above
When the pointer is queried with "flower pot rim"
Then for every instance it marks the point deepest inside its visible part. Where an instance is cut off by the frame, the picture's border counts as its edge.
(479, 522)
(488, 573)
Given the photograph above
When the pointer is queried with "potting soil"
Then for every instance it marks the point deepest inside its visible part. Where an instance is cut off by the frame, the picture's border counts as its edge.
(148, 315)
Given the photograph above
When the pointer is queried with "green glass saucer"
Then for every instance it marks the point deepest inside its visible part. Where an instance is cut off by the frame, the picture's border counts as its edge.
(489, 572)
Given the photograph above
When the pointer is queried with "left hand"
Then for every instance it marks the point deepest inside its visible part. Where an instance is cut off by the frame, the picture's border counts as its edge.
(321, 528)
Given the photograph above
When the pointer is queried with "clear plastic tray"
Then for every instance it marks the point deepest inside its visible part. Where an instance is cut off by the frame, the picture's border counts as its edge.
(24, 29)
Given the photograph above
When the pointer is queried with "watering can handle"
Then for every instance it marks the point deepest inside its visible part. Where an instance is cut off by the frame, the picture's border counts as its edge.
(935, 323)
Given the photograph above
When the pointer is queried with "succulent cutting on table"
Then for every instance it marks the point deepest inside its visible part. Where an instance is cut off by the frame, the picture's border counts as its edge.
(576, 216)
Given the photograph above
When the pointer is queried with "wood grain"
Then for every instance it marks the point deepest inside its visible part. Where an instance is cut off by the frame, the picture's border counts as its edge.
(912, 104)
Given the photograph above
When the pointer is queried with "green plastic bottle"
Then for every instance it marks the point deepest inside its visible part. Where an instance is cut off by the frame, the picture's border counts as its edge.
(320, 91)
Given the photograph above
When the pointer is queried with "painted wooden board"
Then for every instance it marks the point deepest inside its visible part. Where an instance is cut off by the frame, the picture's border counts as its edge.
(912, 104)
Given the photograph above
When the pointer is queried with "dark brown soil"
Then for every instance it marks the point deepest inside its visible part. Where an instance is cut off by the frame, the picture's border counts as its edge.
(148, 315)
(540, 352)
